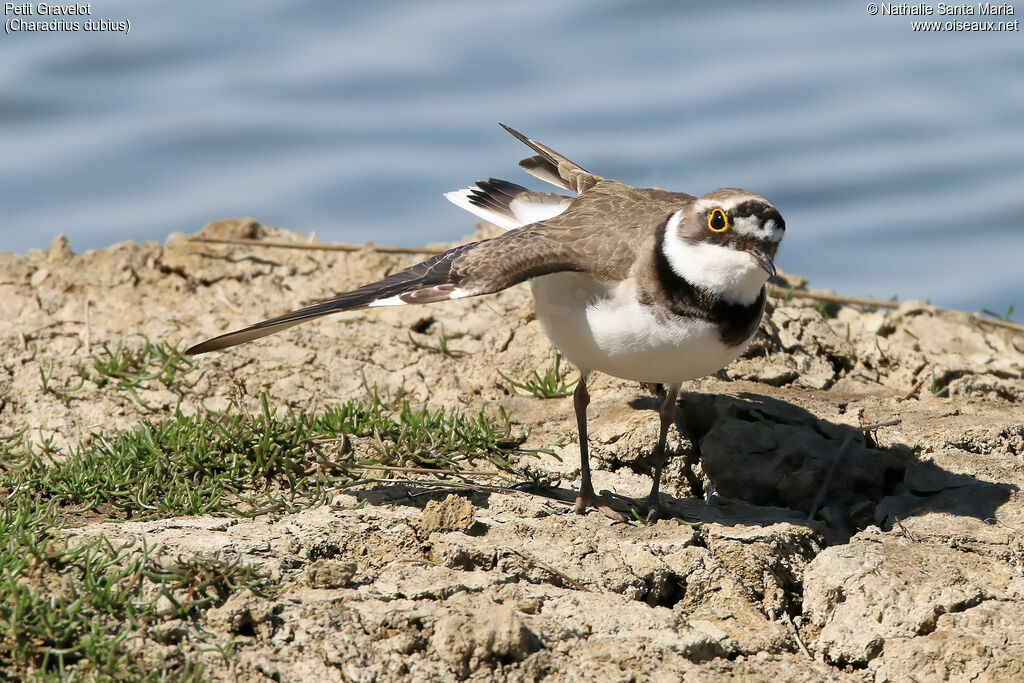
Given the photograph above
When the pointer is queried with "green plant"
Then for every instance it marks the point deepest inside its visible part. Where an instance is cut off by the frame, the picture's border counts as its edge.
(129, 368)
(67, 609)
(552, 384)
(442, 345)
(1006, 316)
(46, 381)
(125, 368)
(230, 462)
(194, 584)
(70, 608)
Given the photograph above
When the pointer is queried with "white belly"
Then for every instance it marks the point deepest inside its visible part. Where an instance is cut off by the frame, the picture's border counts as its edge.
(603, 328)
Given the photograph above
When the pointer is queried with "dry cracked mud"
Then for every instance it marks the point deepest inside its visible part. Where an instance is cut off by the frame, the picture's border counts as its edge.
(910, 569)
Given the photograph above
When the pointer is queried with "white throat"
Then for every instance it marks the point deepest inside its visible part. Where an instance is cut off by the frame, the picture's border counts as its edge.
(729, 273)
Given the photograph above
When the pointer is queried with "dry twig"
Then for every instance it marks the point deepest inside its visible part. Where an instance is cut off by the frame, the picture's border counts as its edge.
(914, 389)
(829, 297)
(839, 456)
(88, 328)
(315, 246)
(896, 522)
(568, 580)
(437, 486)
(420, 470)
(799, 640)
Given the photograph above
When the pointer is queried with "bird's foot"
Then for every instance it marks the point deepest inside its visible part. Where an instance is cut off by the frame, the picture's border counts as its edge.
(590, 499)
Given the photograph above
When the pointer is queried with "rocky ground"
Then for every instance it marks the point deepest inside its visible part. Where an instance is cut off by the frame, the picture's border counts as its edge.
(909, 567)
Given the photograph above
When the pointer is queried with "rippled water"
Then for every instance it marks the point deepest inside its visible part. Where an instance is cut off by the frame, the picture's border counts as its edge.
(896, 157)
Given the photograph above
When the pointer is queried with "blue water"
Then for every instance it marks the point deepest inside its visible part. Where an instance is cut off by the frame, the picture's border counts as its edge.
(896, 157)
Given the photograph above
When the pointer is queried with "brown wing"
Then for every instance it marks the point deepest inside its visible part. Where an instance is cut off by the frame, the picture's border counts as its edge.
(431, 280)
(600, 233)
(467, 270)
(610, 225)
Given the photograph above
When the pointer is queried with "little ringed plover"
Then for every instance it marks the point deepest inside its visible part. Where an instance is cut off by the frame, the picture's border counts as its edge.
(642, 284)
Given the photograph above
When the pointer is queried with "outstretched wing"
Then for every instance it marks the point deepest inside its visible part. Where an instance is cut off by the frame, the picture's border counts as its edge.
(481, 267)
(552, 167)
(468, 270)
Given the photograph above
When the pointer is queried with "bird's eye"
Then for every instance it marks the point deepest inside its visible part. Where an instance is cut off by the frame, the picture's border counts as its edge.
(717, 221)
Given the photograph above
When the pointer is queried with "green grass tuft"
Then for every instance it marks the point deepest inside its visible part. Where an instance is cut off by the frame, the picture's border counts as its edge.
(192, 585)
(442, 345)
(232, 463)
(129, 368)
(63, 393)
(1008, 316)
(552, 384)
(67, 611)
(125, 368)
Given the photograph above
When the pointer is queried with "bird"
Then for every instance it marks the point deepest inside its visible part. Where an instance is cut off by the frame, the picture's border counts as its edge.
(643, 284)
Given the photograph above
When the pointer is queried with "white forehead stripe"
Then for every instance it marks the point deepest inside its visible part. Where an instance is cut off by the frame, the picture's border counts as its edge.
(703, 205)
(460, 198)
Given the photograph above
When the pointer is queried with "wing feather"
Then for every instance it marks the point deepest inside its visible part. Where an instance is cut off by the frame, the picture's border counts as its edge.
(467, 270)
(561, 235)
(431, 280)
(552, 167)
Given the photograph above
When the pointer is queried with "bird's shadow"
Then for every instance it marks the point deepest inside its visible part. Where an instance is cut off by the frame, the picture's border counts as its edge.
(769, 461)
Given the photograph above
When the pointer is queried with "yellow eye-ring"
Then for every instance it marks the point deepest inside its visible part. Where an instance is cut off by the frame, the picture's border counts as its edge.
(718, 221)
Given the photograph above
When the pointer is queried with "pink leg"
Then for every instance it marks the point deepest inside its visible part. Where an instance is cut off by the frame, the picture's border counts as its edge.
(587, 497)
(667, 413)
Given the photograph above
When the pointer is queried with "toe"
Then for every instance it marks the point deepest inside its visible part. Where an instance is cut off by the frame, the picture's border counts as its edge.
(584, 501)
(610, 513)
(581, 506)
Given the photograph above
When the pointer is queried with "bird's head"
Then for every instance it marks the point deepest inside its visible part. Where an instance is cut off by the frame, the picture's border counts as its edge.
(725, 243)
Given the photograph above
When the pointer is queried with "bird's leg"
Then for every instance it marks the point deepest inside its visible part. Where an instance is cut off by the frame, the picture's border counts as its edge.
(667, 414)
(587, 497)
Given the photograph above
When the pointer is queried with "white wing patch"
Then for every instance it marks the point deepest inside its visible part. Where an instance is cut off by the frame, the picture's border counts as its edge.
(526, 207)
(390, 301)
(397, 299)
(531, 208)
(460, 198)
